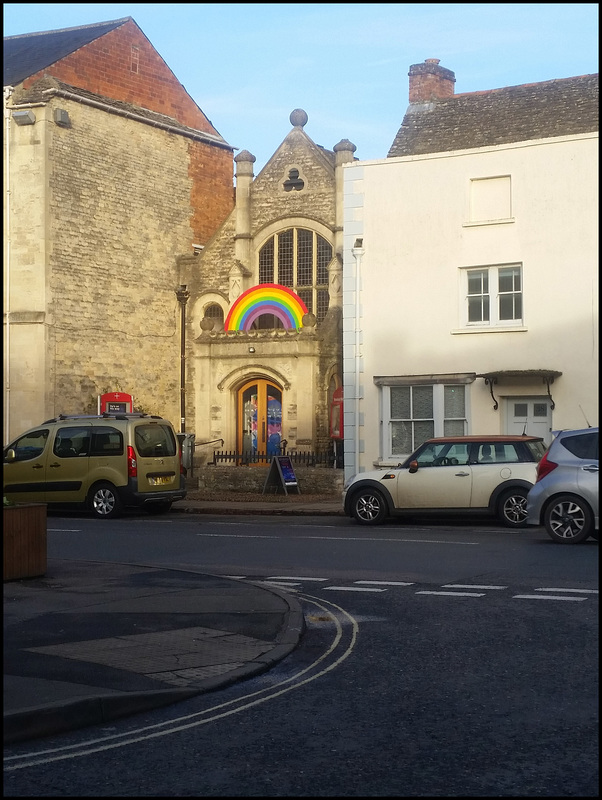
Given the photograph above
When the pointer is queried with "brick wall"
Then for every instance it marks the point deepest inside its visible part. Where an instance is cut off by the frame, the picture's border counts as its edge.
(125, 66)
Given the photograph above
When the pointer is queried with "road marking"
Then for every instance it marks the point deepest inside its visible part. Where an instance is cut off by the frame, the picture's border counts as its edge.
(352, 589)
(470, 586)
(455, 594)
(293, 578)
(545, 597)
(582, 591)
(386, 583)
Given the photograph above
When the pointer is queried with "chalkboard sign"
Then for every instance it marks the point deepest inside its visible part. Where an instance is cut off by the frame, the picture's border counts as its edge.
(281, 477)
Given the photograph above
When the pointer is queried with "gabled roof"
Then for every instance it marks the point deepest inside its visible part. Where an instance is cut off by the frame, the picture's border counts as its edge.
(501, 116)
(28, 53)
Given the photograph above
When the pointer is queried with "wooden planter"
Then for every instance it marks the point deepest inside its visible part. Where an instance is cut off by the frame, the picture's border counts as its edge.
(24, 535)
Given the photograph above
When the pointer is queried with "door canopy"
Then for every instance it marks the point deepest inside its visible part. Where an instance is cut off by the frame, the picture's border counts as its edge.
(266, 298)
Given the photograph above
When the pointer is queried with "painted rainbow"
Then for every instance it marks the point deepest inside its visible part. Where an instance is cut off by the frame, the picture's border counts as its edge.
(267, 298)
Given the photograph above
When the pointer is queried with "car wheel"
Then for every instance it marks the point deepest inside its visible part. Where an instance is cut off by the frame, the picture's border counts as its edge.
(512, 508)
(568, 520)
(158, 508)
(104, 501)
(369, 507)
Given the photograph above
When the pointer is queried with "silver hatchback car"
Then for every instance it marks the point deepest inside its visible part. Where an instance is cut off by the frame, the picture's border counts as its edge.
(564, 498)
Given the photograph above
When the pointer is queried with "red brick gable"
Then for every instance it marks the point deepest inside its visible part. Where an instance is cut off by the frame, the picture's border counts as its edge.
(123, 65)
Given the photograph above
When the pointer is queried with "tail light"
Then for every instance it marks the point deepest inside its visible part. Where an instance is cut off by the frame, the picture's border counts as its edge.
(544, 467)
(132, 463)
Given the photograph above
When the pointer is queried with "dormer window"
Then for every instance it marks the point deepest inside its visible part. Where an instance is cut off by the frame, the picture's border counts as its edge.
(293, 182)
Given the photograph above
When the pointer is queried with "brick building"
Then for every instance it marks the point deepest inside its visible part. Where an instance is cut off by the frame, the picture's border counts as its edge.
(111, 170)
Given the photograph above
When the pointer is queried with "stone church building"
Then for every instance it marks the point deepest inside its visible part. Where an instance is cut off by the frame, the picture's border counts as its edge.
(264, 322)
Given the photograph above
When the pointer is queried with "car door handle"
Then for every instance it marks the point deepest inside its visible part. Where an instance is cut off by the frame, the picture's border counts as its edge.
(590, 468)
(54, 465)
(462, 474)
(38, 466)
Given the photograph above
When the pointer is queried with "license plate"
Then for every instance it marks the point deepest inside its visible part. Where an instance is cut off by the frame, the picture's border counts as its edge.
(159, 481)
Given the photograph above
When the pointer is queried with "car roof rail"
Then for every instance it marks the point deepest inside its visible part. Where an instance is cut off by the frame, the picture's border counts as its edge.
(104, 415)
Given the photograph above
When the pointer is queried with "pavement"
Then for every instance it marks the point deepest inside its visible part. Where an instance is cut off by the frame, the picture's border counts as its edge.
(89, 642)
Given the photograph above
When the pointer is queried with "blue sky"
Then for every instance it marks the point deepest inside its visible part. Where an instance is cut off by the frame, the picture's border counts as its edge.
(248, 65)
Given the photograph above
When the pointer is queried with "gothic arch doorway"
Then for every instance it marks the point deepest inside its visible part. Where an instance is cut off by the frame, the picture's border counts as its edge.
(259, 418)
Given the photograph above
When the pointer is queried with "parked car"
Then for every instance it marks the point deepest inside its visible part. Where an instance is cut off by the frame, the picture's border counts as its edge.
(564, 498)
(103, 463)
(485, 474)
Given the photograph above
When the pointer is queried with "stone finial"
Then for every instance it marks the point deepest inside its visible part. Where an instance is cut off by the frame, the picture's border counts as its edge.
(298, 118)
(344, 145)
(244, 155)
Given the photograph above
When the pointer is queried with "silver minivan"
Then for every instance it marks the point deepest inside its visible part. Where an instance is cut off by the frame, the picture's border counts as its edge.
(564, 498)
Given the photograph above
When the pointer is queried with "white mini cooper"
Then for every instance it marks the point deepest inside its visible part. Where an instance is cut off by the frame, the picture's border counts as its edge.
(484, 474)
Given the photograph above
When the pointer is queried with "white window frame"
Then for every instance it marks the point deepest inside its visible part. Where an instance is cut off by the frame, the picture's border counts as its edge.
(494, 295)
(438, 419)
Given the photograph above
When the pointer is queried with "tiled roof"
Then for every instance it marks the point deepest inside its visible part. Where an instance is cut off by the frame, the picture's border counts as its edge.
(501, 116)
(29, 53)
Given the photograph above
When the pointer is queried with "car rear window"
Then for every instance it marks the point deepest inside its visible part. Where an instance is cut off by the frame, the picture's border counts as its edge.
(583, 445)
(155, 440)
(537, 450)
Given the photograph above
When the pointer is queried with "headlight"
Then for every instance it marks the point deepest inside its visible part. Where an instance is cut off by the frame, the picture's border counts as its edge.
(348, 482)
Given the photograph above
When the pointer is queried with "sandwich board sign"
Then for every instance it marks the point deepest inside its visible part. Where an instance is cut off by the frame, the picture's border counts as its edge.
(281, 477)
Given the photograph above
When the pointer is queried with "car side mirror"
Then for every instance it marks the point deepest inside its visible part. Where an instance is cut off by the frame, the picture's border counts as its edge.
(413, 467)
(10, 456)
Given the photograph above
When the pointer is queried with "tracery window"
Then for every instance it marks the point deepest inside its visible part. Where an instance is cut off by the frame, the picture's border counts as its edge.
(298, 258)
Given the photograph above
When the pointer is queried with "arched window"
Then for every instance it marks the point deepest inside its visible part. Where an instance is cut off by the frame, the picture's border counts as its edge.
(298, 258)
(216, 313)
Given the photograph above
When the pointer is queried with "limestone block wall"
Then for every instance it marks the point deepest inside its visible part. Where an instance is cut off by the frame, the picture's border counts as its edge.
(118, 215)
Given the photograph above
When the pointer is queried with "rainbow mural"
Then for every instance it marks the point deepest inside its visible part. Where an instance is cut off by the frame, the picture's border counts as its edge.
(266, 298)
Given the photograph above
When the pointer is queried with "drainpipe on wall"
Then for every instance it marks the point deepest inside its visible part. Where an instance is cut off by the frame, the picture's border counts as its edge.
(182, 294)
(357, 251)
(8, 90)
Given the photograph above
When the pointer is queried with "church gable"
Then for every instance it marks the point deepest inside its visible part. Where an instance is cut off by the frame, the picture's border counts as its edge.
(298, 181)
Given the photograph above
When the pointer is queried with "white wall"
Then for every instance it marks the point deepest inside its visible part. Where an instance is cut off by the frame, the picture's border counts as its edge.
(412, 215)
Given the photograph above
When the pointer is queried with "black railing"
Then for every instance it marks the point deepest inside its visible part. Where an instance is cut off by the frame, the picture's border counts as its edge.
(311, 459)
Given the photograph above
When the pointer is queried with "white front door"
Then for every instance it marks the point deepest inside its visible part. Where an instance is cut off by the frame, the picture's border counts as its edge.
(529, 415)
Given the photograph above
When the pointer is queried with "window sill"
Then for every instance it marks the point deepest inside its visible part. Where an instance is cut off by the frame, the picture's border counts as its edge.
(491, 329)
(480, 223)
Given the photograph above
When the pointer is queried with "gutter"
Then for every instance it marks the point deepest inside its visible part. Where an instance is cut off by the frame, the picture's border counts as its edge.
(207, 138)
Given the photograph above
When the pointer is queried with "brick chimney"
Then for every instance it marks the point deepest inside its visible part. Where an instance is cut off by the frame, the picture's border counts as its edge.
(429, 81)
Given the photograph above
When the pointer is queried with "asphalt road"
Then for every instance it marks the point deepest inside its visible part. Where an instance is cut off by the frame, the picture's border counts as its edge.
(438, 660)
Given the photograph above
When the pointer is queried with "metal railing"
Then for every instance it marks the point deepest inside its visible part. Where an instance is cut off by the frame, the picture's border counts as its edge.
(307, 459)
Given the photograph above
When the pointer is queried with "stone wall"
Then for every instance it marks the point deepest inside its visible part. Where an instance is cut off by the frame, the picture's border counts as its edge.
(218, 478)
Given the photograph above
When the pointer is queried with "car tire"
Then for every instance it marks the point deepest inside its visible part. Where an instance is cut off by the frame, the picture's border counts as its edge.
(158, 508)
(512, 507)
(104, 502)
(368, 506)
(568, 520)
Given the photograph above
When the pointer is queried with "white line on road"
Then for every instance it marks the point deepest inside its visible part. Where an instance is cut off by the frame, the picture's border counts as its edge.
(293, 578)
(470, 586)
(455, 594)
(352, 589)
(386, 583)
(582, 591)
(545, 597)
